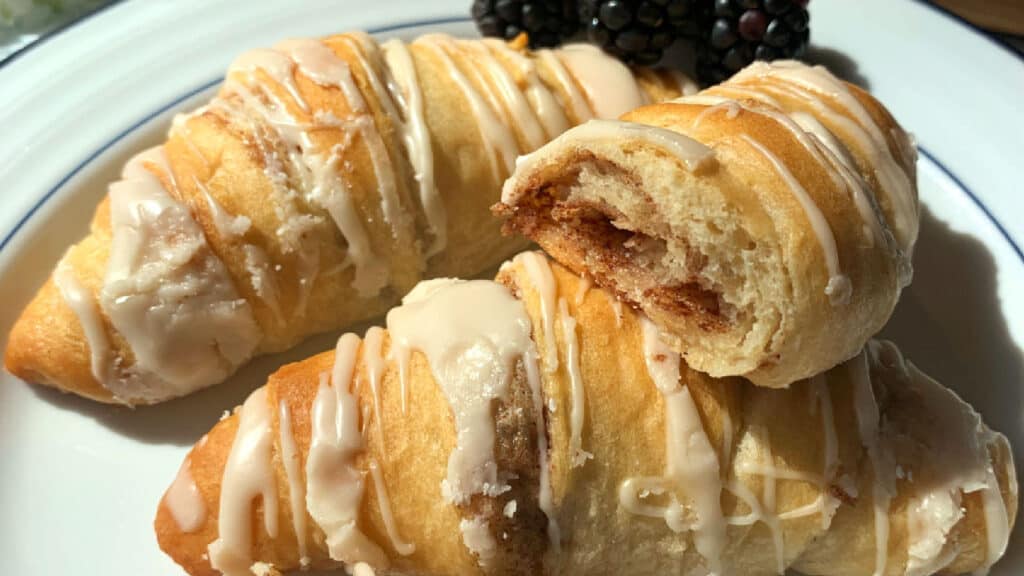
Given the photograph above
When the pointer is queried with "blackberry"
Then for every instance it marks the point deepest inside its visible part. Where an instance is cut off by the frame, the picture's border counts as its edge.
(737, 32)
(546, 22)
(637, 31)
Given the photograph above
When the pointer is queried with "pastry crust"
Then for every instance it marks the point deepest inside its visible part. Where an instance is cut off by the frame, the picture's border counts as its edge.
(735, 219)
(807, 457)
(325, 179)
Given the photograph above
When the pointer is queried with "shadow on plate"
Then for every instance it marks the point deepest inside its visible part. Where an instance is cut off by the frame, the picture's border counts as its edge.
(183, 421)
(950, 324)
(838, 63)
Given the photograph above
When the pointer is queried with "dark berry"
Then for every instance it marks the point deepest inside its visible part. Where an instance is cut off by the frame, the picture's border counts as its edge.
(598, 34)
(777, 6)
(661, 39)
(637, 31)
(766, 52)
(678, 9)
(752, 25)
(509, 10)
(722, 35)
(650, 15)
(615, 14)
(724, 9)
(777, 34)
(632, 40)
(734, 33)
(649, 58)
(796, 20)
(737, 57)
(546, 22)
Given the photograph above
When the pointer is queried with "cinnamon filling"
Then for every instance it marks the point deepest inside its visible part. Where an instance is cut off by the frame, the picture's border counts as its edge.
(617, 259)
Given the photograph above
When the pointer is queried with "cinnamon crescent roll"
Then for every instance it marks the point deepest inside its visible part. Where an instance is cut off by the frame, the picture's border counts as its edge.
(324, 180)
(531, 426)
(765, 224)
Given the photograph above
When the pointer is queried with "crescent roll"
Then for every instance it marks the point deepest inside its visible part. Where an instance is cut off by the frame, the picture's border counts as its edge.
(765, 225)
(534, 426)
(325, 179)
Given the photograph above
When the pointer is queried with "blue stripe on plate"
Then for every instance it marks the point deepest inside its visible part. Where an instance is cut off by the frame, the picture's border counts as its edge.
(205, 86)
(391, 28)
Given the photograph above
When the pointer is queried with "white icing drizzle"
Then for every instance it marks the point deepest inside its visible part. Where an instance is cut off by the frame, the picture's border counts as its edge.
(295, 225)
(184, 501)
(573, 99)
(82, 302)
(318, 170)
(248, 475)
(743, 93)
(997, 523)
(262, 279)
(582, 289)
(808, 81)
(274, 64)
(830, 154)
(839, 288)
(334, 486)
(541, 100)
(831, 460)
(577, 409)
(365, 50)
(930, 517)
(689, 152)
(545, 496)
(384, 503)
(890, 176)
(163, 286)
(765, 512)
(257, 264)
(691, 463)
(610, 87)
(730, 107)
(373, 359)
(955, 432)
(226, 224)
(509, 94)
(538, 270)
(363, 569)
(476, 535)
(496, 134)
(404, 87)
(617, 308)
(685, 84)
(296, 487)
(472, 333)
(868, 428)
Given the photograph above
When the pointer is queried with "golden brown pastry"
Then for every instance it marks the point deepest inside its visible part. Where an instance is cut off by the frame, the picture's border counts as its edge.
(534, 426)
(765, 224)
(324, 181)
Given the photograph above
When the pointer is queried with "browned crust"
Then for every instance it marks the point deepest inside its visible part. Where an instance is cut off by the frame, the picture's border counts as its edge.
(522, 539)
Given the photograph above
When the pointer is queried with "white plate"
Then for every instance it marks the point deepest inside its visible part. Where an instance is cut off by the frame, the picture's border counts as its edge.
(80, 481)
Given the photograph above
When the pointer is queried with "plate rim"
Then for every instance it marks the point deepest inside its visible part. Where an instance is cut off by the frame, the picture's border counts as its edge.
(9, 236)
(1014, 51)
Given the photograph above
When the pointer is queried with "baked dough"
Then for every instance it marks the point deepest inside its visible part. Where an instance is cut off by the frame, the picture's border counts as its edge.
(323, 182)
(534, 426)
(765, 224)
